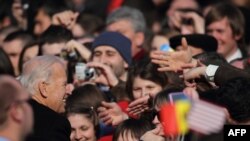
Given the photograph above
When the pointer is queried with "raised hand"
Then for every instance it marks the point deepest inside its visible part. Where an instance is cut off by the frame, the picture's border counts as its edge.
(174, 61)
(139, 105)
(199, 22)
(105, 74)
(65, 18)
(83, 51)
(195, 72)
(111, 113)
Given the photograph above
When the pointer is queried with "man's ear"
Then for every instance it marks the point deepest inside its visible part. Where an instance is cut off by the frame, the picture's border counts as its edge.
(43, 89)
(139, 38)
(16, 113)
(125, 65)
(237, 37)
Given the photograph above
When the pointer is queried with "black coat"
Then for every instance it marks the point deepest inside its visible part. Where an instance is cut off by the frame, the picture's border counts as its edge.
(48, 125)
(227, 72)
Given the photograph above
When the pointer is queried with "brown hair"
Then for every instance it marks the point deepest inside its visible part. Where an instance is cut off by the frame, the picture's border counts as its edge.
(229, 11)
(87, 94)
(147, 70)
(136, 127)
(86, 111)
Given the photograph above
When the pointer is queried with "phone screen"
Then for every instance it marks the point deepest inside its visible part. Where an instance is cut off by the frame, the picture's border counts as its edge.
(166, 47)
(173, 97)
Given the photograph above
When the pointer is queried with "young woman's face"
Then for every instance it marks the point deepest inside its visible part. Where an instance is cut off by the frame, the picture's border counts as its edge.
(143, 87)
(82, 129)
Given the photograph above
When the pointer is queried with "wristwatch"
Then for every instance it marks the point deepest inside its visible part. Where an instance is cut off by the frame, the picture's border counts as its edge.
(210, 72)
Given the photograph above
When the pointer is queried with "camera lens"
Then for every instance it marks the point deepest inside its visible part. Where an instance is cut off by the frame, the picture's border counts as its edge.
(89, 73)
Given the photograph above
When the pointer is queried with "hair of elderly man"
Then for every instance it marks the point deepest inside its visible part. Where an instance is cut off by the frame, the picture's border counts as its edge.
(128, 13)
(8, 95)
(38, 69)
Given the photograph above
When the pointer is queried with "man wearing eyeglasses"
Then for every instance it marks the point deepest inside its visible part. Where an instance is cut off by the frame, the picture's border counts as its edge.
(16, 115)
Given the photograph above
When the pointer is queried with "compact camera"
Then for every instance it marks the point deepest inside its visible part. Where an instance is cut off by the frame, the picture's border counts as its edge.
(83, 72)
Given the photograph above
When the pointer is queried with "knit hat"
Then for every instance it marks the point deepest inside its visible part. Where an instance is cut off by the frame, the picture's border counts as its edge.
(116, 40)
(203, 41)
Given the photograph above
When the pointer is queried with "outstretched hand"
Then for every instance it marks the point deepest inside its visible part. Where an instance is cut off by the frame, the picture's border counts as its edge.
(139, 105)
(196, 72)
(111, 113)
(174, 61)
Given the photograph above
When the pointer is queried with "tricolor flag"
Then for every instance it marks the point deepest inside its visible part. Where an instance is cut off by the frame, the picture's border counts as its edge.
(200, 116)
(173, 117)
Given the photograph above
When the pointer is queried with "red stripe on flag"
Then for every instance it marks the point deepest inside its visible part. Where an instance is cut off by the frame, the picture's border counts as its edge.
(168, 119)
(205, 117)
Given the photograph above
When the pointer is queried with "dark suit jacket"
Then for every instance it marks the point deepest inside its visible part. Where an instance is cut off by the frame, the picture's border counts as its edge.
(226, 72)
(48, 125)
(223, 74)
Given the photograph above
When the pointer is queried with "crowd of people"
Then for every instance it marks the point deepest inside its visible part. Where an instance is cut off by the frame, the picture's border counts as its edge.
(88, 70)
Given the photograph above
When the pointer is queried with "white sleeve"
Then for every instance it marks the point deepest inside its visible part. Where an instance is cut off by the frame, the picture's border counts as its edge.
(210, 72)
